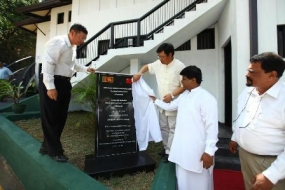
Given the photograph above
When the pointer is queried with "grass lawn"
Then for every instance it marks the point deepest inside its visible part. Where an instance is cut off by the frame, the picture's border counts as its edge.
(78, 141)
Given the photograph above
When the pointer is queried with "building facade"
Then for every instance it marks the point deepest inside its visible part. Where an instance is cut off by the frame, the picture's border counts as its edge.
(219, 36)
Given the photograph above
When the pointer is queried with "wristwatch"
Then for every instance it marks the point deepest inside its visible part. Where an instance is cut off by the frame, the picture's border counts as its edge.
(172, 96)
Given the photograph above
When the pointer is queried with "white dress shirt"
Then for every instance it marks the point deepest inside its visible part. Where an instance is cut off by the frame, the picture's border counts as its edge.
(59, 59)
(146, 119)
(196, 128)
(260, 127)
(168, 78)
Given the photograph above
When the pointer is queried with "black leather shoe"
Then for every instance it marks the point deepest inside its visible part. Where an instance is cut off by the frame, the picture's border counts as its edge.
(43, 150)
(60, 158)
(165, 158)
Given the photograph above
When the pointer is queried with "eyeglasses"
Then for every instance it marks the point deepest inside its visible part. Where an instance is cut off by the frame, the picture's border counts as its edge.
(255, 114)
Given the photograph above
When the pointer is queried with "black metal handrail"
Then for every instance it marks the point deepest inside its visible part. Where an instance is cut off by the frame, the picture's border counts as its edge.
(135, 31)
(28, 74)
(22, 69)
(20, 63)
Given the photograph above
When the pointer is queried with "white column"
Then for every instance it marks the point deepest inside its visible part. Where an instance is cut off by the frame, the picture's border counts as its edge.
(267, 25)
(240, 49)
(135, 66)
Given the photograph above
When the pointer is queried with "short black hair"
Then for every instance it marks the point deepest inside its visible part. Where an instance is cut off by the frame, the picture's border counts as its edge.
(192, 72)
(167, 48)
(270, 61)
(78, 28)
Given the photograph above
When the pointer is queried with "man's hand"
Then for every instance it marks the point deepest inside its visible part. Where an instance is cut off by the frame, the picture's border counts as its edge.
(207, 160)
(260, 182)
(233, 146)
(52, 94)
(91, 70)
(153, 98)
(136, 77)
(167, 98)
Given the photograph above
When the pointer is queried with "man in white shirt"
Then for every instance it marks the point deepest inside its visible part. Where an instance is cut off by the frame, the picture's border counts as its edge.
(166, 70)
(259, 128)
(196, 132)
(5, 73)
(58, 66)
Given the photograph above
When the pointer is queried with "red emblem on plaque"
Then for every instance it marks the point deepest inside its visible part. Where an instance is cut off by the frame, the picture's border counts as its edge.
(129, 81)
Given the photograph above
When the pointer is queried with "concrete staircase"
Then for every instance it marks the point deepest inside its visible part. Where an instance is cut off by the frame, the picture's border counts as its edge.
(224, 159)
(183, 29)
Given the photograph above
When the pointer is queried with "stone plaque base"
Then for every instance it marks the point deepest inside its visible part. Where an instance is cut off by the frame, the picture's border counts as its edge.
(118, 164)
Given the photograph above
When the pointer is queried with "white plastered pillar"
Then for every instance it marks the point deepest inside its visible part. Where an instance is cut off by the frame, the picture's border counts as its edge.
(135, 66)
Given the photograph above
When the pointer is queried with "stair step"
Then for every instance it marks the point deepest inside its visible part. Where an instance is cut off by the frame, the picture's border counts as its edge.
(225, 162)
(223, 148)
(225, 152)
(168, 29)
(202, 7)
(190, 14)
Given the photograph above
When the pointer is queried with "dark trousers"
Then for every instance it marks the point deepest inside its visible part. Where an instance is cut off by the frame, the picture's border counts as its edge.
(54, 114)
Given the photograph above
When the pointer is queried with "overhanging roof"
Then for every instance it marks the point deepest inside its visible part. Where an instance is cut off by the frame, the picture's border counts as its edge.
(30, 24)
(39, 12)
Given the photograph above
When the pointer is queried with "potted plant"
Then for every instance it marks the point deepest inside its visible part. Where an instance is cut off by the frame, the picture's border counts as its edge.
(15, 92)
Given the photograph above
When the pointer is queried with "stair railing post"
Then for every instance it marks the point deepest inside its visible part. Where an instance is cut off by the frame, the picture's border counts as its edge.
(139, 32)
(112, 37)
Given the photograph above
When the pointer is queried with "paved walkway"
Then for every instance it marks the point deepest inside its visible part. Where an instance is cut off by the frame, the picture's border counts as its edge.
(8, 179)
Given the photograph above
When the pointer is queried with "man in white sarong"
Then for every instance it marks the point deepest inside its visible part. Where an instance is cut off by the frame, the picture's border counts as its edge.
(196, 133)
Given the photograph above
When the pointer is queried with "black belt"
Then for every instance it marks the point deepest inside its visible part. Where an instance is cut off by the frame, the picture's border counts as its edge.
(62, 77)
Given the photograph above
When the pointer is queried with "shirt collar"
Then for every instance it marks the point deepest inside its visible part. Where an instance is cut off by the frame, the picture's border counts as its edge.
(273, 91)
(67, 41)
(196, 89)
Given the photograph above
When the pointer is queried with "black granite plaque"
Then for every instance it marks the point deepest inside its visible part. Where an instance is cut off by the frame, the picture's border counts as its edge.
(116, 150)
(115, 115)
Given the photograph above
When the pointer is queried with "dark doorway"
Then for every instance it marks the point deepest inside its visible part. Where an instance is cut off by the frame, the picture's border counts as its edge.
(228, 83)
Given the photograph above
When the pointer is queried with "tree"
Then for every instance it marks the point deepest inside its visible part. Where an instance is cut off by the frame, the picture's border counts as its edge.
(15, 43)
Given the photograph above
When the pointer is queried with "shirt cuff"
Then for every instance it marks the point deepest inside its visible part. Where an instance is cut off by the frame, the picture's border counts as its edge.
(211, 150)
(272, 175)
(233, 137)
(50, 86)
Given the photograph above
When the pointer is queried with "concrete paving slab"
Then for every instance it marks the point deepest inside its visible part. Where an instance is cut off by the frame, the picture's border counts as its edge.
(8, 179)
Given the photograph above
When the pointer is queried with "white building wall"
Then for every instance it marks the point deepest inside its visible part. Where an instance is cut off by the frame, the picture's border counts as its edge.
(267, 25)
(233, 24)
(207, 61)
(42, 37)
(280, 7)
(83, 11)
(270, 15)
(96, 14)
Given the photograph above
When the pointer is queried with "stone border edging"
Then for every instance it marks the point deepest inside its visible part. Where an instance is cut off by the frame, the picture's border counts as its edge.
(35, 170)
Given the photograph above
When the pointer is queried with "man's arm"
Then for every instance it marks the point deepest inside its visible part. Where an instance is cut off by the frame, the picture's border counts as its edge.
(168, 97)
(209, 116)
(137, 76)
(272, 174)
(172, 106)
(82, 68)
